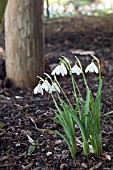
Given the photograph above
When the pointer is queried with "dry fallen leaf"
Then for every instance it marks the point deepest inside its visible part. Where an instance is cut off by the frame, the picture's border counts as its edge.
(106, 156)
(96, 166)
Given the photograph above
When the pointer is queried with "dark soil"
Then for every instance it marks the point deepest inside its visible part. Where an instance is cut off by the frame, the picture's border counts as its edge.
(22, 113)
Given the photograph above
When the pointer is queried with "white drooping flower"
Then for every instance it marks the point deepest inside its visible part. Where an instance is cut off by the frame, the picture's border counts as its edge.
(46, 85)
(54, 88)
(60, 69)
(91, 68)
(38, 89)
(76, 70)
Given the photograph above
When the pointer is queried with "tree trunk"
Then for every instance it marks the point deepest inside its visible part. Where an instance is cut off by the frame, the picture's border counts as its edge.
(24, 41)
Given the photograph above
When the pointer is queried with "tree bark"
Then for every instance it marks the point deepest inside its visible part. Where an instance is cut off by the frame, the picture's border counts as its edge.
(24, 42)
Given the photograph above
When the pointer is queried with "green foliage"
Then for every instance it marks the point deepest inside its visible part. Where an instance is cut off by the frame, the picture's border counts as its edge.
(66, 8)
(67, 122)
(63, 2)
(31, 149)
(1, 125)
(3, 4)
(86, 113)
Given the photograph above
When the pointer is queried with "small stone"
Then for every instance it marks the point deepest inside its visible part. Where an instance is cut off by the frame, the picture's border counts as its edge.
(56, 156)
(57, 149)
(18, 97)
(57, 142)
(49, 153)
(26, 132)
(65, 154)
(17, 144)
(64, 167)
(84, 165)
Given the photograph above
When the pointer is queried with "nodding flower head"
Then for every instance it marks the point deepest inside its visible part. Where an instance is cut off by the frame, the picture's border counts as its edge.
(60, 69)
(91, 68)
(46, 85)
(76, 69)
(38, 89)
(54, 88)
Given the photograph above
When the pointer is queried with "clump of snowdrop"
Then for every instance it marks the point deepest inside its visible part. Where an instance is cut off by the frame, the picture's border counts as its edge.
(86, 113)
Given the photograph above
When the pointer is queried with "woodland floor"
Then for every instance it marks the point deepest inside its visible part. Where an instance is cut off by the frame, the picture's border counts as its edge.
(18, 108)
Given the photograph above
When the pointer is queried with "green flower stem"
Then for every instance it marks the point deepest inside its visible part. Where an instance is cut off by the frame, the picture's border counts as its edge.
(72, 78)
(62, 92)
(82, 71)
(75, 84)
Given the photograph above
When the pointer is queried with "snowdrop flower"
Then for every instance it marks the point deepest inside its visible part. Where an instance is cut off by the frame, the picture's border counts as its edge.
(91, 68)
(54, 88)
(46, 85)
(76, 70)
(60, 69)
(38, 89)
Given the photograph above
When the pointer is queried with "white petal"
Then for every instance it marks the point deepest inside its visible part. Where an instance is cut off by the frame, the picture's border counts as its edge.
(54, 88)
(38, 89)
(56, 70)
(96, 69)
(87, 68)
(76, 70)
(46, 85)
(64, 70)
(60, 71)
